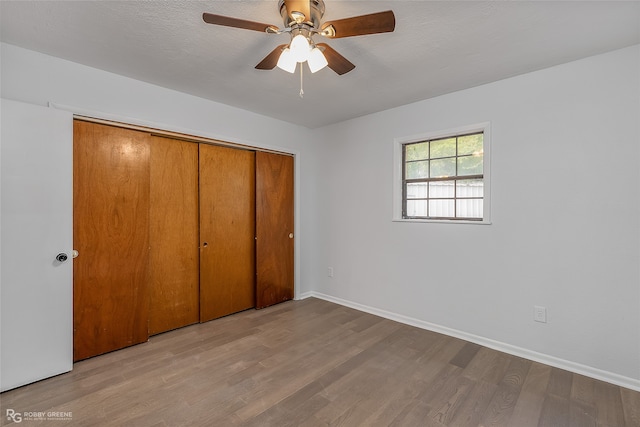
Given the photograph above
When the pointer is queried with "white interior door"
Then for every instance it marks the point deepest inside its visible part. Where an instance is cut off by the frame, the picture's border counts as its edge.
(36, 290)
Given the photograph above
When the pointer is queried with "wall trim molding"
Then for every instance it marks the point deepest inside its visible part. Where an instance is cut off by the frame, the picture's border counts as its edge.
(151, 126)
(556, 362)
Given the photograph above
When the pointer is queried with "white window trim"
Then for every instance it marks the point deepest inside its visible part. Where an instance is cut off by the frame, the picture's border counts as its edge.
(484, 127)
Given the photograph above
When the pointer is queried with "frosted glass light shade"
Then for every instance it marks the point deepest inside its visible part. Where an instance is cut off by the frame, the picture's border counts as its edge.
(286, 61)
(300, 48)
(316, 60)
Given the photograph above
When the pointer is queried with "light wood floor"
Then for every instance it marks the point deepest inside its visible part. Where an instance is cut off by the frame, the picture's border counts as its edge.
(314, 363)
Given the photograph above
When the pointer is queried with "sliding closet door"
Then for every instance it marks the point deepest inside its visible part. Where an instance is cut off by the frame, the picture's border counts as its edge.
(174, 257)
(227, 231)
(111, 234)
(274, 228)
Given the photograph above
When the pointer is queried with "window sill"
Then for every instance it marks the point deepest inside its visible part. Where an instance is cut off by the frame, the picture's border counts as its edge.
(443, 221)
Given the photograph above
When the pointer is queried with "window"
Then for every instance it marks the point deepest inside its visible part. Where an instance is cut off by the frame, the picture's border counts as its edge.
(444, 176)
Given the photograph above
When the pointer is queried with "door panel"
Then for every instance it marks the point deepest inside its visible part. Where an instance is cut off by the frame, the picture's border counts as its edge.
(274, 229)
(35, 290)
(174, 256)
(227, 231)
(111, 233)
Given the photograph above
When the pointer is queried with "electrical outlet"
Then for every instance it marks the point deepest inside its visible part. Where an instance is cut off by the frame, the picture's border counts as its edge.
(330, 271)
(540, 314)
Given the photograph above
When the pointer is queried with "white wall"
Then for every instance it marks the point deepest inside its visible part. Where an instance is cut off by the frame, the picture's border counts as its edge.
(35, 78)
(565, 212)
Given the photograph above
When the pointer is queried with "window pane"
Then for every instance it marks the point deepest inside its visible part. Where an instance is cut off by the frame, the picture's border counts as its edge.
(441, 208)
(470, 144)
(441, 171)
(416, 208)
(470, 188)
(443, 148)
(469, 208)
(470, 165)
(417, 151)
(417, 170)
(417, 190)
(442, 189)
(443, 168)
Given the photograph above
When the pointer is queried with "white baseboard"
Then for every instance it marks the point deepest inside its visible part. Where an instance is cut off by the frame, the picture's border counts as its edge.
(567, 365)
(306, 295)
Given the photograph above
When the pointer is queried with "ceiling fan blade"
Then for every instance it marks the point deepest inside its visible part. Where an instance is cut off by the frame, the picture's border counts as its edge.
(380, 22)
(271, 60)
(227, 21)
(300, 6)
(337, 62)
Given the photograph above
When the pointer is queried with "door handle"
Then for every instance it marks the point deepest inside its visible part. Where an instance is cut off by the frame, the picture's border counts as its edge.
(61, 257)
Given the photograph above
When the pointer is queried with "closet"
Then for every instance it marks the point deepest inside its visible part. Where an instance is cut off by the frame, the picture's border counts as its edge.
(172, 232)
(173, 235)
(111, 235)
(227, 231)
(274, 215)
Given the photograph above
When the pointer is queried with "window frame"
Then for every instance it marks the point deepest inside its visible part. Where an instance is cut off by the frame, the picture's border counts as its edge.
(399, 195)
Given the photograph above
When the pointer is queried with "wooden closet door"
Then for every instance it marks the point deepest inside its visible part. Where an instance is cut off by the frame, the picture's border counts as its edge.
(227, 231)
(174, 257)
(274, 229)
(111, 233)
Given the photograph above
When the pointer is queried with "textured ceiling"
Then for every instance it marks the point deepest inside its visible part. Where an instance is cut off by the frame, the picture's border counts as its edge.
(438, 47)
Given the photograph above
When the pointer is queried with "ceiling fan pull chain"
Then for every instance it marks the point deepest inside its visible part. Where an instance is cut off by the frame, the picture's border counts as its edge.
(301, 90)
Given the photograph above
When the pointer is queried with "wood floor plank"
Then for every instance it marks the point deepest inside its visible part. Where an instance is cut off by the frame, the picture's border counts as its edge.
(560, 383)
(443, 349)
(609, 404)
(366, 379)
(474, 407)
(405, 384)
(314, 363)
(581, 415)
(488, 365)
(398, 398)
(537, 380)
(517, 372)
(528, 408)
(416, 414)
(583, 410)
(631, 407)
(583, 390)
(527, 411)
(502, 405)
(450, 398)
(555, 412)
(465, 355)
(309, 365)
(506, 395)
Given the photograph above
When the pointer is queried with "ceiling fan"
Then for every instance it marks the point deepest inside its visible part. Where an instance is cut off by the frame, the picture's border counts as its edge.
(302, 20)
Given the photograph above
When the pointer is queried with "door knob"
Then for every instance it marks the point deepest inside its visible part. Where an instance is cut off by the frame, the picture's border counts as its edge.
(291, 235)
(61, 257)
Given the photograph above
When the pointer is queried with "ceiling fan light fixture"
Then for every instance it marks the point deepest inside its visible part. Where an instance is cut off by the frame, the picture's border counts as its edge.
(287, 62)
(300, 48)
(317, 60)
(303, 20)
